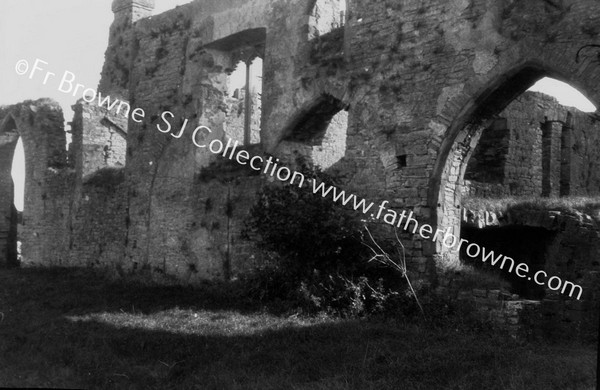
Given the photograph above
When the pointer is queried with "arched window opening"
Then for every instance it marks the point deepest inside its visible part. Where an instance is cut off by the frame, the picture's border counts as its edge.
(10, 191)
(18, 175)
(239, 64)
(326, 16)
(534, 146)
(237, 81)
(517, 148)
(564, 93)
(319, 134)
(244, 100)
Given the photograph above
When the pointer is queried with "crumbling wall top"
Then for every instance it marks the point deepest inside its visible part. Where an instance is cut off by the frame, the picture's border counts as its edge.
(119, 5)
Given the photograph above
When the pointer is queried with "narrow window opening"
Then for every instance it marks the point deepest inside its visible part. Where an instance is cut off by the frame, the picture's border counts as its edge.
(401, 161)
(244, 99)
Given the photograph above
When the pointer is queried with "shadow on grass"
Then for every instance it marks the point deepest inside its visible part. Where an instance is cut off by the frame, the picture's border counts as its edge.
(67, 328)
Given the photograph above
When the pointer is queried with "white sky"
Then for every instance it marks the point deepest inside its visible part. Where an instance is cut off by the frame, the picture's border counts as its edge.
(72, 35)
(564, 93)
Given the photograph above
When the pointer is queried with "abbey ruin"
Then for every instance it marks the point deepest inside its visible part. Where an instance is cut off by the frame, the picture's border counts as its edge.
(421, 103)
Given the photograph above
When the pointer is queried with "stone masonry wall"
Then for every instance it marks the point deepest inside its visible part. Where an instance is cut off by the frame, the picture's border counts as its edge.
(47, 178)
(99, 138)
(326, 16)
(98, 222)
(584, 170)
(397, 59)
(523, 169)
(536, 126)
(66, 221)
(566, 244)
(417, 78)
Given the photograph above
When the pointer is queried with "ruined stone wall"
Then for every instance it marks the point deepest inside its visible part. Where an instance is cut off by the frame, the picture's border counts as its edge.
(97, 222)
(67, 220)
(118, 56)
(559, 242)
(326, 16)
(416, 79)
(584, 170)
(236, 112)
(510, 161)
(523, 169)
(8, 142)
(412, 74)
(181, 64)
(99, 138)
(318, 138)
(47, 178)
(488, 162)
(225, 193)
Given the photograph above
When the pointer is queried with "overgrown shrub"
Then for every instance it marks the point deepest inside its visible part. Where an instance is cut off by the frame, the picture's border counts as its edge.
(352, 297)
(307, 231)
(318, 261)
(108, 178)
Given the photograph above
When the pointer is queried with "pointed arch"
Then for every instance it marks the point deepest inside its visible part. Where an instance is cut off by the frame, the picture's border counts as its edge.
(316, 133)
(9, 136)
(474, 113)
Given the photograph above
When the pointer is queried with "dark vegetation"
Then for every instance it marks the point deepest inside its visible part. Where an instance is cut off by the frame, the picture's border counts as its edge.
(74, 328)
(316, 315)
(317, 260)
(108, 178)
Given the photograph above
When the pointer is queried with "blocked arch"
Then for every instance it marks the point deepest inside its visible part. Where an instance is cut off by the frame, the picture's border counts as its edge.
(461, 137)
(316, 133)
(313, 118)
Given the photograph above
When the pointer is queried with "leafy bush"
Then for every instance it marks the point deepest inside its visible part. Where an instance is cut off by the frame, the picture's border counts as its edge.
(307, 231)
(351, 297)
(318, 261)
(108, 178)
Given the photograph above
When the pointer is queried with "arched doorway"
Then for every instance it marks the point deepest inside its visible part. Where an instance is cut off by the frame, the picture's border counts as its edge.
(479, 115)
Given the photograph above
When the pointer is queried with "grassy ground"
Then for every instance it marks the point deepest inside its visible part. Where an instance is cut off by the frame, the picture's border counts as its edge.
(65, 328)
(586, 205)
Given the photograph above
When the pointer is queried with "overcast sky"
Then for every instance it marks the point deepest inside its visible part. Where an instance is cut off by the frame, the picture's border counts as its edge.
(70, 35)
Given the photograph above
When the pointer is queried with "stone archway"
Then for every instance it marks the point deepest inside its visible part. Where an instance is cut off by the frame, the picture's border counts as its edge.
(9, 137)
(40, 126)
(462, 136)
(317, 133)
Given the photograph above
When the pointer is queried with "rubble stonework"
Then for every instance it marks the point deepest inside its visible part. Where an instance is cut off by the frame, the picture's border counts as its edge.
(99, 138)
(399, 92)
(514, 158)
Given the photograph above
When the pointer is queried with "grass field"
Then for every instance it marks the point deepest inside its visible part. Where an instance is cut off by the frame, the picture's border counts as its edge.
(68, 328)
(583, 204)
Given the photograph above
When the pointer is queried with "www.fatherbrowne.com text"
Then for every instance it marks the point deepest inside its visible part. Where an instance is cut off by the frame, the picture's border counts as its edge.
(404, 220)
(272, 168)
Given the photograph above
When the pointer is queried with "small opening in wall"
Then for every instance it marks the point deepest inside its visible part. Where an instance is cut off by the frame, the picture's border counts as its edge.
(401, 161)
(243, 122)
(18, 174)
